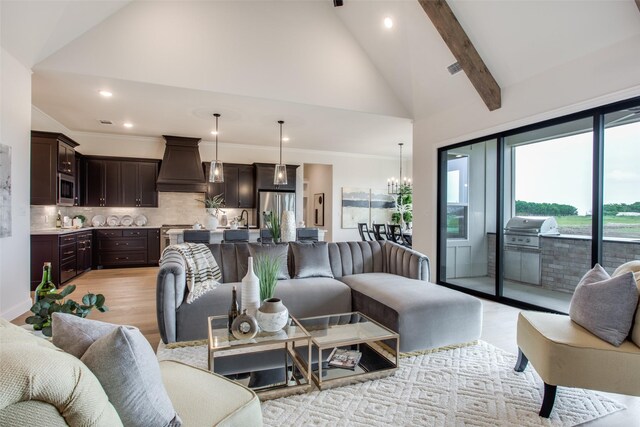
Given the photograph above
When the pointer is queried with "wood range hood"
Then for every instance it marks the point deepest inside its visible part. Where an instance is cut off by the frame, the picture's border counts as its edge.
(181, 168)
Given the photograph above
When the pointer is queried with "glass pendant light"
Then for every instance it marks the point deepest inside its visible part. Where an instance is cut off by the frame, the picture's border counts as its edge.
(280, 174)
(216, 172)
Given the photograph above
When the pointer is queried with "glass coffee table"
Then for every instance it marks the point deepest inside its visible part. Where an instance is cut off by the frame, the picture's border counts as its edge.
(359, 337)
(283, 352)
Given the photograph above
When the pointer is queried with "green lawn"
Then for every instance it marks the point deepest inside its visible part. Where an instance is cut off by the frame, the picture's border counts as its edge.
(614, 226)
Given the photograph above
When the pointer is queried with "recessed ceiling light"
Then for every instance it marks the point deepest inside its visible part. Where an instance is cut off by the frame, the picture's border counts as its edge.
(388, 22)
(128, 125)
(213, 132)
(106, 93)
(285, 139)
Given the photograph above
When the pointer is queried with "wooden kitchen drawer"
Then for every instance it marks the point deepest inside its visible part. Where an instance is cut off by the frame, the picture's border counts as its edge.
(67, 238)
(85, 235)
(109, 233)
(67, 253)
(122, 258)
(123, 244)
(134, 233)
(67, 271)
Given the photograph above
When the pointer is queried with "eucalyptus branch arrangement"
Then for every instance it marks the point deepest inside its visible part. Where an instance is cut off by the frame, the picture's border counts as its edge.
(55, 303)
(267, 268)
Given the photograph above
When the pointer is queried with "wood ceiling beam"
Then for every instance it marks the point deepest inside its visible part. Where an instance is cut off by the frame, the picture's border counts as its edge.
(463, 50)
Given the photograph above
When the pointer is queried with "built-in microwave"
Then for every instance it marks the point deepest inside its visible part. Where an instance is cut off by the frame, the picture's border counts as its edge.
(66, 190)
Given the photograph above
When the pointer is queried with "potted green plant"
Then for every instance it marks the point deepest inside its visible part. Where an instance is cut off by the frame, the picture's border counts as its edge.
(403, 210)
(273, 225)
(213, 205)
(272, 315)
(55, 303)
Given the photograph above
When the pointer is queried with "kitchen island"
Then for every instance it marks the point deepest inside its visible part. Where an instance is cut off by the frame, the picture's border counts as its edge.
(176, 235)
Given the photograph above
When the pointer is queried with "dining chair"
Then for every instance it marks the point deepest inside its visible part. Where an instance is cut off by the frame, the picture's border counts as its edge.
(394, 233)
(196, 236)
(307, 235)
(365, 234)
(408, 240)
(235, 236)
(379, 231)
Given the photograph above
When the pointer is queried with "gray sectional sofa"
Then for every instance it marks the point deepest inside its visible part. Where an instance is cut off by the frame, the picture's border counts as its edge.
(383, 280)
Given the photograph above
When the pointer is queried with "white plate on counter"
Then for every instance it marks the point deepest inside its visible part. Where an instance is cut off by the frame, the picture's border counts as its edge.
(113, 221)
(98, 221)
(126, 220)
(140, 220)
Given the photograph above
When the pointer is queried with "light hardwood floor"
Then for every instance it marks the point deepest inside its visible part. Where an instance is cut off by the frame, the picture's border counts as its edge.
(130, 296)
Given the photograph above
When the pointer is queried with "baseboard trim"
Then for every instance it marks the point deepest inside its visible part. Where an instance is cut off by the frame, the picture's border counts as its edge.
(17, 310)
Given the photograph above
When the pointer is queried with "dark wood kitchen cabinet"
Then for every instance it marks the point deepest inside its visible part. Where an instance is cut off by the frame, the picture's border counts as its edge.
(119, 182)
(69, 255)
(264, 177)
(238, 188)
(127, 247)
(51, 153)
(139, 183)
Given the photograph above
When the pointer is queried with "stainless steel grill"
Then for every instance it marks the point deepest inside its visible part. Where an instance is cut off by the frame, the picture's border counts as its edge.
(522, 246)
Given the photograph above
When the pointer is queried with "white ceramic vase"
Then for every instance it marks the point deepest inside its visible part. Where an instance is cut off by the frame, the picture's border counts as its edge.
(212, 219)
(272, 315)
(250, 290)
(288, 226)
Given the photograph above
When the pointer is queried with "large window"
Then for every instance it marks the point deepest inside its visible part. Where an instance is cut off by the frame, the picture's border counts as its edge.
(573, 181)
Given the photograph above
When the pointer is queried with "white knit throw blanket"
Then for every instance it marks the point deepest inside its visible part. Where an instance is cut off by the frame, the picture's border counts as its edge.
(201, 269)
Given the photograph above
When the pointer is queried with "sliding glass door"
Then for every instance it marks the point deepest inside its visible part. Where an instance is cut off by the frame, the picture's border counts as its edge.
(524, 214)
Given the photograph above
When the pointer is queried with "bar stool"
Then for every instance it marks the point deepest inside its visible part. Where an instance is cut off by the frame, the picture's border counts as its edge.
(235, 236)
(307, 235)
(196, 236)
(265, 236)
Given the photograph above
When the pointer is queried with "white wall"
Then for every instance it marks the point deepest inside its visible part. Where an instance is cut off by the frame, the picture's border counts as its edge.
(320, 180)
(15, 126)
(606, 76)
(349, 170)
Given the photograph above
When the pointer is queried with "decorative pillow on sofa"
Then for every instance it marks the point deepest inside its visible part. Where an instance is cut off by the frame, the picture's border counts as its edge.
(280, 252)
(311, 260)
(605, 306)
(129, 372)
(633, 267)
(74, 335)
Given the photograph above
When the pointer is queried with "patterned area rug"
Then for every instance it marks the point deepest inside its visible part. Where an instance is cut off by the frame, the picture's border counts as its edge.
(474, 385)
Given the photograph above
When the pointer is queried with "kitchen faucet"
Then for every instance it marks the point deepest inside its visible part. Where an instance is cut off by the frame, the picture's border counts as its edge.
(246, 222)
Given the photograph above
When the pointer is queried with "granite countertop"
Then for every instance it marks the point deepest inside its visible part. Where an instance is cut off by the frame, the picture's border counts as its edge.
(60, 231)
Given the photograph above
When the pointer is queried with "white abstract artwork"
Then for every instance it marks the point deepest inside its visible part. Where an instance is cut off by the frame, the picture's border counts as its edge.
(5, 190)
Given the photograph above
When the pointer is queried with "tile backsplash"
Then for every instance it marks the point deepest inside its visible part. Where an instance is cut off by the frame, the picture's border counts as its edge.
(173, 208)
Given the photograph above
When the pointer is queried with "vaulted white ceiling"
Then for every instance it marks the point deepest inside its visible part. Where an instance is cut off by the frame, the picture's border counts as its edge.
(340, 79)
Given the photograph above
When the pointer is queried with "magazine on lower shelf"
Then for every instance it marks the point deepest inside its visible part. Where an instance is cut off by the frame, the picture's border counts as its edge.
(347, 359)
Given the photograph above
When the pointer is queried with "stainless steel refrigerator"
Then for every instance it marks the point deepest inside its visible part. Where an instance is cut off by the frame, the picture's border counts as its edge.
(276, 202)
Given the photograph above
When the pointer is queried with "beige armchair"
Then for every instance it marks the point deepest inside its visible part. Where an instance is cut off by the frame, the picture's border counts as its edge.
(565, 354)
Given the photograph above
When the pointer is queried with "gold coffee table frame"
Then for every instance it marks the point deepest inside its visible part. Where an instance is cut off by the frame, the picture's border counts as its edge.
(290, 339)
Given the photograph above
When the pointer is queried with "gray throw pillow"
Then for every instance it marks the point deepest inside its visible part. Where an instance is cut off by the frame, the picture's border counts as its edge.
(311, 260)
(279, 252)
(605, 306)
(129, 373)
(74, 335)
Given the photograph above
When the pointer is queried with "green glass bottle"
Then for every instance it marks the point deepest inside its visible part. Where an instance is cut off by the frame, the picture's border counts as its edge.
(46, 285)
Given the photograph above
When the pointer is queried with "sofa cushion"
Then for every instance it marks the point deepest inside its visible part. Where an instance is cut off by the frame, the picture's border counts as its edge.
(311, 260)
(278, 251)
(633, 267)
(227, 403)
(74, 334)
(30, 372)
(129, 372)
(605, 306)
(425, 315)
(302, 297)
